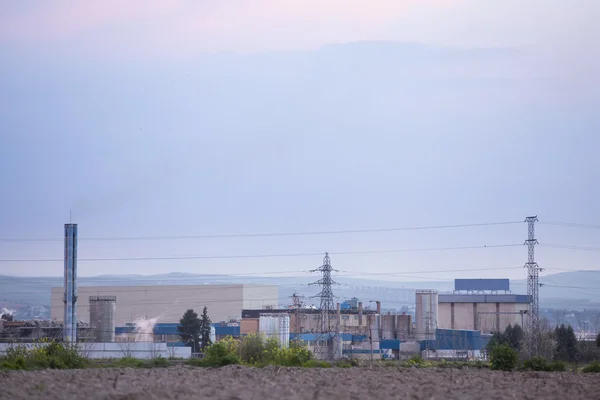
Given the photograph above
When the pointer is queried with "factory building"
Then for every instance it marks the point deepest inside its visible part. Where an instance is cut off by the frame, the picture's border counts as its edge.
(484, 305)
(308, 320)
(166, 303)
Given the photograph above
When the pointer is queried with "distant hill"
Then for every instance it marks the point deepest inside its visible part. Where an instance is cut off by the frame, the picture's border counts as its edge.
(579, 289)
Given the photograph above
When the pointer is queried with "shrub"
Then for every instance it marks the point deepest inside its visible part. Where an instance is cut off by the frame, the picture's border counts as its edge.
(251, 349)
(45, 354)
(294, 356)
(592, 368)
(541, 364)
(218, 355)
(536, 364)
(503, 358)
(557, 366)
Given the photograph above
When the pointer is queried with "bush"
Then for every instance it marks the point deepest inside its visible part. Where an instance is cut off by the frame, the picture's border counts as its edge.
(541, 364)
(253, 350)
(45, 354)
(557, 366)
(592, 368)
(218, 355)
(536, 364)
(503, 358)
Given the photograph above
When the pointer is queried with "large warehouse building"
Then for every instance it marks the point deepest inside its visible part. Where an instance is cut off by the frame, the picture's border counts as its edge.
(168, 303)
(485, 305)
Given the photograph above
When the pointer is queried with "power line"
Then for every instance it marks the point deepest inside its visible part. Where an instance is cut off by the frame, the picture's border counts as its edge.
(570, 224)
(263, 255)
(251, 235)
(569, 247)
(86, 281)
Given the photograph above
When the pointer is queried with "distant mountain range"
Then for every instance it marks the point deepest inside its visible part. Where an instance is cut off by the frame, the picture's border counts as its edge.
(572, 290)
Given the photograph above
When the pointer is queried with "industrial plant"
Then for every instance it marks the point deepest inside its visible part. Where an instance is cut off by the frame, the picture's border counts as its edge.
(457, 324)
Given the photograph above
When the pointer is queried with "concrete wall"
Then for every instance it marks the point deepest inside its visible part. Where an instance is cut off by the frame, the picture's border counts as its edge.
(119, 350)
(260, 296)
(480, 316)
(167, 303)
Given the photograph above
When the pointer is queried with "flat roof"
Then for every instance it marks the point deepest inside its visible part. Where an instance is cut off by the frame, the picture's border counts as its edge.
(258, 313)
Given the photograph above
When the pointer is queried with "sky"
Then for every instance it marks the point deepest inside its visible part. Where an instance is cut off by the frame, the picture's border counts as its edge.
(186, 118)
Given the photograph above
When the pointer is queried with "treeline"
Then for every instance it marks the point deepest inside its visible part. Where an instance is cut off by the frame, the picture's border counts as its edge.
(555, 348)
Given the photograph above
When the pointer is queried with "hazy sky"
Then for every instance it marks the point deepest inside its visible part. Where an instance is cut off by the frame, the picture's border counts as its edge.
(178, 117)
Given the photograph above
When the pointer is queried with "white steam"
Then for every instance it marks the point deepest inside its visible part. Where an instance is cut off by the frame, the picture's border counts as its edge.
(144, 329)
(6, 311)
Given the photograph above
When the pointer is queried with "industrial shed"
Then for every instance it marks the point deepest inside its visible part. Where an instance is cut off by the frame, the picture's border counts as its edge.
(485, 305)
(168, 303)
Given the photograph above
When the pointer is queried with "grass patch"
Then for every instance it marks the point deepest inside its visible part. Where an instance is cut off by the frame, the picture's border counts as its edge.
(316, 364)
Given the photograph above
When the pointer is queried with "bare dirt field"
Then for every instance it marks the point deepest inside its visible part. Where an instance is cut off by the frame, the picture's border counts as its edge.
(236, 382)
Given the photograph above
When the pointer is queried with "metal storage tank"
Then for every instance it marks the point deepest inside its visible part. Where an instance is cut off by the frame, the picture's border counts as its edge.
(213, 334)
(388, 327)
(102, 318)
(277, 326)
(426, 314)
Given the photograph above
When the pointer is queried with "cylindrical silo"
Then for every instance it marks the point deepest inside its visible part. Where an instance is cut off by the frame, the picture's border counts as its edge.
(102, 318)
(373, 321)
(426, 314)
(388, 327)
(403, 324)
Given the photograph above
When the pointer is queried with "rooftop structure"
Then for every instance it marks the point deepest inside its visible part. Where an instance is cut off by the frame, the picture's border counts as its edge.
(482, 285)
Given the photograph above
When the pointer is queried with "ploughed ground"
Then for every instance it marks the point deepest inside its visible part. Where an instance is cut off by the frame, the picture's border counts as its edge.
(237, 382)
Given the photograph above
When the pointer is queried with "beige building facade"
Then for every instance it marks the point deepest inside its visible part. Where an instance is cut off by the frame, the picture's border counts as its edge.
(167, 304)
(487, 313)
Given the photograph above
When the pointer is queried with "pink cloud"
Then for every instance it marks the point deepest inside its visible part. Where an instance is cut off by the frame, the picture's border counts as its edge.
(210, 25)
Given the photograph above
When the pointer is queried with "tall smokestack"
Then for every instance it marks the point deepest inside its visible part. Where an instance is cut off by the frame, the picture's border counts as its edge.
(360, 314)
(70, 286)
(379, 308)
(339, 315)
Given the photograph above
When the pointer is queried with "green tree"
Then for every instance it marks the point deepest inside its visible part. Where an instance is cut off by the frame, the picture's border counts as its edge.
(503, 358)
(189, 329)
(205, 326)
(514, 336)
(566, 343)
(497, 339)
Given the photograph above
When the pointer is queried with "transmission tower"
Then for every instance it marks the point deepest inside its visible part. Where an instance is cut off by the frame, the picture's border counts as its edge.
(297, 304)
(327, 308)
(533, 285)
